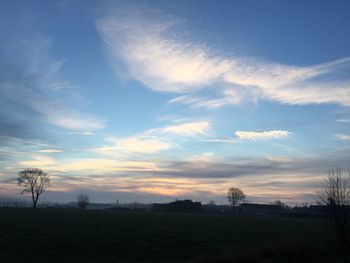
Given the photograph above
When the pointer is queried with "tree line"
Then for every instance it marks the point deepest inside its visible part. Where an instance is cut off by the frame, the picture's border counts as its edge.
(334, 193)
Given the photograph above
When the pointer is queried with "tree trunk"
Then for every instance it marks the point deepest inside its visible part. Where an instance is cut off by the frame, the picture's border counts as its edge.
(35, 201)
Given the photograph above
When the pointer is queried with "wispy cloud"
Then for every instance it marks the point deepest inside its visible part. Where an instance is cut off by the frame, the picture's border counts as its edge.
(166, 62)
(85, 133)
(262, 135)
(160, 62)
(38, 161)
(228, 96)
(141, 144)
(76, 122)
(61, 85)
(11, 139)
(204, 175)
(154, 140)
(233, 167)
(50, 151)
(105, 165)
(343, 137)
(222, 141)
(32, 88)
(343, 120)
(87, 165)
(184, 129)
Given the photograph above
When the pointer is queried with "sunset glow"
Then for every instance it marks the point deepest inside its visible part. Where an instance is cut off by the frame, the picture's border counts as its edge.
(155, 101)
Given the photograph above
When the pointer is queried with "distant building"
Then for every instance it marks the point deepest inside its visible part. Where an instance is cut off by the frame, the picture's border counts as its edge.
(261, 209)
(217, 209)
(313, 211)
(180, 206)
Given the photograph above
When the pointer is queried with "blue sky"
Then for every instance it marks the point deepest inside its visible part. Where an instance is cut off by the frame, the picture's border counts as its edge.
(155, 100)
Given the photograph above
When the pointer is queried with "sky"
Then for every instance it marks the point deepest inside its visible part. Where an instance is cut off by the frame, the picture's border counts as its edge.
(151, 101)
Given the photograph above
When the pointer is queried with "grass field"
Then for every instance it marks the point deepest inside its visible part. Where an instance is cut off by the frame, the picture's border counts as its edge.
(52, 235)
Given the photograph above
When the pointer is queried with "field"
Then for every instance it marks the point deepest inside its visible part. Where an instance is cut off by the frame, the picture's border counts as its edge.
(52, 235)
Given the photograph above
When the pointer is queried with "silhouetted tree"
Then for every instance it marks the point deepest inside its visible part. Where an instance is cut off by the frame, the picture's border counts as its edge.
(235, 196)
(278, 203)
(83, 200)
(335, 194)
(35, 181)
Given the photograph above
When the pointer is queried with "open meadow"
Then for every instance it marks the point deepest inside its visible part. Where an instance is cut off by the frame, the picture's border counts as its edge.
(72, 235)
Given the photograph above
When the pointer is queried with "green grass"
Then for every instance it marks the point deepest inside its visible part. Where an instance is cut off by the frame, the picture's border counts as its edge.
(52, 235)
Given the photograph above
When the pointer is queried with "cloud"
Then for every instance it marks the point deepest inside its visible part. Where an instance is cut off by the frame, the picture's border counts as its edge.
(343, 137)
(105, 165)
(140, 144)
(343, 120)
(66, 84)
(85, 133)
(205, 175)
(33, 94)
(76, 122)
(16, 115)
(227, 97)
(153, 140)
(50, 151)
(198, 177)
(187, 129)
(153, 49)
(13, 149)
(222, 141)
(84, 165)
(160, 62)
(24, 142)
(39, 161)
(262, 135)
(233, 167)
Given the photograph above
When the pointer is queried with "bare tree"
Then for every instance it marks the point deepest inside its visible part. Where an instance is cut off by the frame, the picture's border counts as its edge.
(235, 196)
(335, 194)
(278, 203)
(83, 200)
(35, 181)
